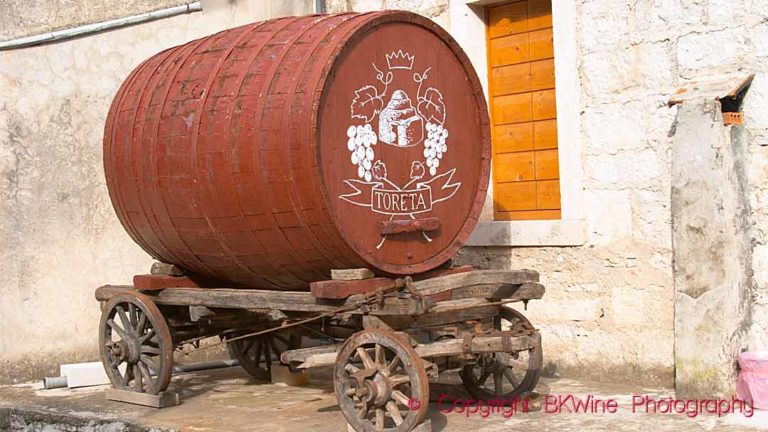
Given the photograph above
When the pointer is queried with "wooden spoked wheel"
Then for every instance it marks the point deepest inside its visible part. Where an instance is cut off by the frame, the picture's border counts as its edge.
(496, 376)
(380, 383)
(135, 344)
(255, 353)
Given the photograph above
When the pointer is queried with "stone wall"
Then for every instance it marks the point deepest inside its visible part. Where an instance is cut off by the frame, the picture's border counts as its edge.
(608, 311)
(59, 237)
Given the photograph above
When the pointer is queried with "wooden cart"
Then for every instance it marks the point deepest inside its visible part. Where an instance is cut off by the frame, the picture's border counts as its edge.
(384, 340)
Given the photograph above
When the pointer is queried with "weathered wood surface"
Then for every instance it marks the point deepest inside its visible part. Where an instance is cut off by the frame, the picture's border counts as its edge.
(351, 274)
(150, 282)
(228, 298)
(161, 400)
(341, 289)
(410, 225)
(326, 356)
(514, 285)
(161, 268)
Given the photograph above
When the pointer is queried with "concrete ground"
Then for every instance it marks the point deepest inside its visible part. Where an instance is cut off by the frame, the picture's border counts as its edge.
(228, 400)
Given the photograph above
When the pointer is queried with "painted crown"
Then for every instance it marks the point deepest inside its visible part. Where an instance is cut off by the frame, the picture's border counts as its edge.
(399, 60)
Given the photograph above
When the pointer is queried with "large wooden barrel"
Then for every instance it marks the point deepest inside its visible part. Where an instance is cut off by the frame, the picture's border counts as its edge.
(268, 154)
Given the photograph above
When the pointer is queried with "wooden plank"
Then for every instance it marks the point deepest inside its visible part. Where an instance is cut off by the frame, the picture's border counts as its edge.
(516, 196)
(541, 45)
(543, 105)
(527, 215)
(545, 134)
(514, 49)
(542, 75)
(507, 19)
(526, 291)
(480, 344)
(475, 278)
(411, 225)
(511, 79)
(351, 274)
(305, 302)
(547, 166)
(514, 137)
(512, 108)
(539, 14)
(152, 282)
(228, 298)
(160, 400)
(512, 167)
(548, 194)
(339, 289)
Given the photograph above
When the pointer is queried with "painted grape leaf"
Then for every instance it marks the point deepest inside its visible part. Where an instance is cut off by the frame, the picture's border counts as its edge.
(431, 106)
(367, 103)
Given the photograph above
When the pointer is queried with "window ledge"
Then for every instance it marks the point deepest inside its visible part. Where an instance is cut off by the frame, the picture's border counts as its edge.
(529, 233)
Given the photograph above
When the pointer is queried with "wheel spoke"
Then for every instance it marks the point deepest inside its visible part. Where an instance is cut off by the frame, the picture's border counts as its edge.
(394, 412)
(141, 324)
(257, 358)
(138, 384)
(124, 319)
(128, 374)
(400, 397)
(117, 328)
(153, 367)
(397, 380)
(267, 356)
(246, 345)
(510, 377)
(350, 368)
(484, 377)
(150, 334)
(498, 383)
(378, 352)
(146, 349)
(392, 366)
(147, 377)
(273, 345)
(379, 419)
(132, 315)
(365, 358)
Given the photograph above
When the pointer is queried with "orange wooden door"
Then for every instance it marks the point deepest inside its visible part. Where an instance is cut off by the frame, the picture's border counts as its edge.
(521, 75)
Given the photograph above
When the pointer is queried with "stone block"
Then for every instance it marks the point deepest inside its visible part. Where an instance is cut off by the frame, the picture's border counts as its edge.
(609, 217)
(717, 51)
(612, 128)
(755, 114)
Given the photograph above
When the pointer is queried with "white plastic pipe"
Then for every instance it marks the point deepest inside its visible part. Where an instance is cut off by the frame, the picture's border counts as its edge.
(87, 29)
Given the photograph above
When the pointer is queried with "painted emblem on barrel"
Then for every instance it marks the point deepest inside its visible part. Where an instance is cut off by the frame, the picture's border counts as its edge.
(386, 115)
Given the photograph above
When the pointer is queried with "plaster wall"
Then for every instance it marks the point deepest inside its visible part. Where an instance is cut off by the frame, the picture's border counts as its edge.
(59, 237)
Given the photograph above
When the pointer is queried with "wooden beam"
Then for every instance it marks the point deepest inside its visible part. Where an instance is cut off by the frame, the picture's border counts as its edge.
(228, 298)
(351, 274)
(410, 225)
(313, 357)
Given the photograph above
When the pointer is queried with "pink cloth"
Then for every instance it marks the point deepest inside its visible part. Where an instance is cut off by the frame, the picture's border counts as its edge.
(752, 384)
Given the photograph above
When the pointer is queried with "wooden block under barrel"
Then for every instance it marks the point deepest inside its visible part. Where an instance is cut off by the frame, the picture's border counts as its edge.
(160, 400)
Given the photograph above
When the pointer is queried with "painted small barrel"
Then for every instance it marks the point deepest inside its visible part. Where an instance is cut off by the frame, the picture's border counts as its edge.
(266, 155)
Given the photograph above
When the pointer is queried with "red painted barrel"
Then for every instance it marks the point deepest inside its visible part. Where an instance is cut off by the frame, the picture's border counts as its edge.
(269, 154)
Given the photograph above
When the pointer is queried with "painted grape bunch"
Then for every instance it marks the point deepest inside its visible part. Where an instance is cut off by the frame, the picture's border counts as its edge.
(435, 146)
(360, 144)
